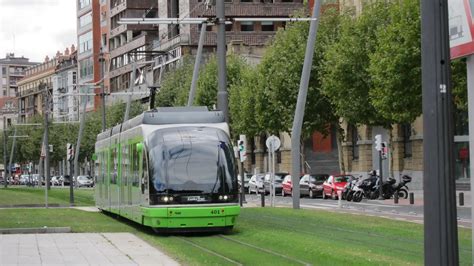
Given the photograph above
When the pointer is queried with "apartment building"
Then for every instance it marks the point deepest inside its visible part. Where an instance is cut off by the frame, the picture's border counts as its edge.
(66, 104)
(88, 50)
(33, 86)
(250, 37)
(12, 69)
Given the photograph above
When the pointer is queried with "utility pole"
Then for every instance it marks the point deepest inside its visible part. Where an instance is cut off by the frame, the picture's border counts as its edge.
(300, 106)
(102, 90)
(5, 167)
(222, 94)
(46, 138)
(197, 64)
(79, 139)
(440, 219)
(132, 85)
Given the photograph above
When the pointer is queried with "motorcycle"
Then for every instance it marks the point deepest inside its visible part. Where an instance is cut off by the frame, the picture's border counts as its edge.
(367, 188)
(389, 188)
(348, 191)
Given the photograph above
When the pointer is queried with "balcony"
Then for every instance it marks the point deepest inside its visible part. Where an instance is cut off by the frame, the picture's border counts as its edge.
(132, 4)
(137, 42)
(182, 39)
(253, 9)
(248, 38)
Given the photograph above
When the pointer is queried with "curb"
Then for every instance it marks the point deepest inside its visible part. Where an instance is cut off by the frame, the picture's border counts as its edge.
(39, 230)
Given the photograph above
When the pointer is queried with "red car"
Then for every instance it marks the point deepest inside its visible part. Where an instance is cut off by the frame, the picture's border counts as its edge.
(286, 185)
(334, 184)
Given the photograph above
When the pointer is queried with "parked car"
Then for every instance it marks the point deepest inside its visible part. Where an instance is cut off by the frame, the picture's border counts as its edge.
(66, 180)
(246, 182)
(55, 181)
(334, 184)
(256, 183)
(24, 179)
(84, 181)
(287, 187)
(311, 185)
(278, 180)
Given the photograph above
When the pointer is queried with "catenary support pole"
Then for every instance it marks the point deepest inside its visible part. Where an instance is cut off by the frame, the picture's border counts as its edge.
(132, 84)
(197, 64)
(470, 98)
(300, 106)
(12, 152)
(440, 221)
(79, 139)
(71, 185)
(222, 94)
(5, 166)
(102, 91)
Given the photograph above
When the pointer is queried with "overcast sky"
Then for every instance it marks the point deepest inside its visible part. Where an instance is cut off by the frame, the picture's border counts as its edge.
(36, 28)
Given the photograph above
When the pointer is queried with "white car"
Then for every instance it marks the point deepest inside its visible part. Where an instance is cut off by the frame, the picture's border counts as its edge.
(84, 181)
(256, 184)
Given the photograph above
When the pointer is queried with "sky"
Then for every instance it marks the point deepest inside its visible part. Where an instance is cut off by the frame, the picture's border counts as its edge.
(36, 28)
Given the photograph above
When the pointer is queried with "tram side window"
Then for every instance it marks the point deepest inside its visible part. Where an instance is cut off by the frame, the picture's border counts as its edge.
(125, 164)
(135, 161)
(115, 167)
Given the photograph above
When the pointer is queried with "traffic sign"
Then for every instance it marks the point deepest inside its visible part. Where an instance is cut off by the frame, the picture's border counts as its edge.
(273, 143)
(70, 152)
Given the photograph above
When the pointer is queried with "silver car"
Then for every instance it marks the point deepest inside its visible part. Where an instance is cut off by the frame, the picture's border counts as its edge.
(84, 181)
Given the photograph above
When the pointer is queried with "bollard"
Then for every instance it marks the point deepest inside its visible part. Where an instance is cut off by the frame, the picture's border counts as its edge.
(461, 199)
(339, 199)
(395, 198)
(412, 198)
(263, 198)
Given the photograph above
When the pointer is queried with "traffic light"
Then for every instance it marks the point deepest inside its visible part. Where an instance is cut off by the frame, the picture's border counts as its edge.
(242, 143)
(384, 150)
(378, 142)
(70, 152)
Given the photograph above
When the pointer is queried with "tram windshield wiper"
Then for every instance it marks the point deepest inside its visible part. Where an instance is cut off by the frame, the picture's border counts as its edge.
(171, 191)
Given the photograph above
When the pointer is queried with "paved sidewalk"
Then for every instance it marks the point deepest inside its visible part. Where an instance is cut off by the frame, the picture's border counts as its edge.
(79, 249)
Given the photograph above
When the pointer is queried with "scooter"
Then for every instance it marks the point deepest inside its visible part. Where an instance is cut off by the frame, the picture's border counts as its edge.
(366, 188)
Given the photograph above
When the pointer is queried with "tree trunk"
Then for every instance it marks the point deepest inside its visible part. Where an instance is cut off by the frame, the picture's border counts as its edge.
(340, 151)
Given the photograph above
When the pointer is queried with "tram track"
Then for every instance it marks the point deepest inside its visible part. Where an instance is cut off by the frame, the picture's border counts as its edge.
(265, 250)
(208, 250)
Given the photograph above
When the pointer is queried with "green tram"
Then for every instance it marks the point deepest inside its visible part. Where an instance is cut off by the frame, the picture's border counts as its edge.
(171, 169)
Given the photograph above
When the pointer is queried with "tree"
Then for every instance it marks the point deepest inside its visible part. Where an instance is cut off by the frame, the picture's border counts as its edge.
(346, 79)
(395, 65)
(280, 72)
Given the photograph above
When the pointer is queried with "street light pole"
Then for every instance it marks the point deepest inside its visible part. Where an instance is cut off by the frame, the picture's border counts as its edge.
(300, 106)
(5, 167)
(440, 221)
(222, 94)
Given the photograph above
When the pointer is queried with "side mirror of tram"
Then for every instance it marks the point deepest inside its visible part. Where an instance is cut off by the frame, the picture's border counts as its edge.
(139, 147)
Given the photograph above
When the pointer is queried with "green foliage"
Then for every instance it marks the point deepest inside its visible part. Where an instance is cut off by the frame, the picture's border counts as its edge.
(346, 79)
(206, 93)
(281, 69)
(395, 65)
(176, 84)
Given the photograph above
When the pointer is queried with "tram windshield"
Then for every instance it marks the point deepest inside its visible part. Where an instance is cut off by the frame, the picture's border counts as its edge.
(191, 160)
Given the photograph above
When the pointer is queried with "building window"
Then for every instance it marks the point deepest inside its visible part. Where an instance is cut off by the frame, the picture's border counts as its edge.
(246, 1)
(268, 26)
(85, 42)
(354, 139)
(85, 20)
(86, 68)
(84, 3)
(246, 26)
(407, 144)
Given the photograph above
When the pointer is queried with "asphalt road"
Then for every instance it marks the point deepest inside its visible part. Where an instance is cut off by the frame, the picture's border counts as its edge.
(381, 208)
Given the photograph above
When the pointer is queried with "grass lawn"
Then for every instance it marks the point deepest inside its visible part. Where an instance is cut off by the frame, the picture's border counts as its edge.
(24, 196)
(316, 237)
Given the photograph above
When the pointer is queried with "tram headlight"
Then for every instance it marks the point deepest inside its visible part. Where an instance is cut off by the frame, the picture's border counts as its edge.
(167, 199)
(225, 197)
(221, 197)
